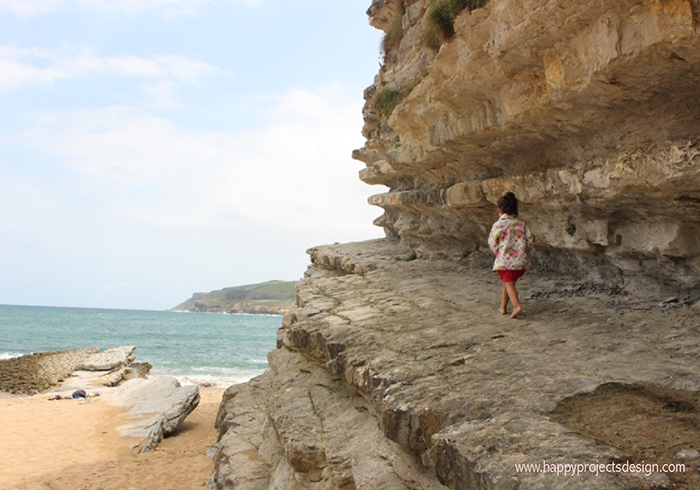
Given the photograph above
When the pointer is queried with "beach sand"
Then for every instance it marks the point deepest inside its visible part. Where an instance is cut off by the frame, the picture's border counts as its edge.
(73, 445)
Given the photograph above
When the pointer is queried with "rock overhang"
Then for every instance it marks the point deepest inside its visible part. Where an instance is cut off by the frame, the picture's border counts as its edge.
(589, 112)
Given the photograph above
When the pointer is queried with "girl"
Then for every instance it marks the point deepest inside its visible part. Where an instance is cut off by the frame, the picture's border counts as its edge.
(510, 240)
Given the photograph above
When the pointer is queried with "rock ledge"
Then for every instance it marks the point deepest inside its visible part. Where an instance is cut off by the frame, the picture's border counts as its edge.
(404, 376)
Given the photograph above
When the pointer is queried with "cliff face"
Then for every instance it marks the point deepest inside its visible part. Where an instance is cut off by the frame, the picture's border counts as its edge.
(588, 111)
(395, 370)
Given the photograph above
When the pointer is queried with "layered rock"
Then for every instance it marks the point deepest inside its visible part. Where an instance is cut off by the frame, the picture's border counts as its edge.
(108, 368)
(84, 368)
(397, 373)
(588, 111)
(34, 373)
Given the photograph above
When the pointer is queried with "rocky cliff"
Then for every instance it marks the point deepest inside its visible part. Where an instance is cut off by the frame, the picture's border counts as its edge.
(588, 111)
(395, 370)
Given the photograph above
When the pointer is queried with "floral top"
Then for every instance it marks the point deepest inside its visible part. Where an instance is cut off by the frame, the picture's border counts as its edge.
(511, 241)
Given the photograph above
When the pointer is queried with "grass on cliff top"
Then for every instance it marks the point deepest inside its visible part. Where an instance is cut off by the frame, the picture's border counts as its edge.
(270, 293)
(279, 290)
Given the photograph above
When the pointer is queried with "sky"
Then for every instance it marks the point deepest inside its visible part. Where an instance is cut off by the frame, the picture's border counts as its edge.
(150, 149)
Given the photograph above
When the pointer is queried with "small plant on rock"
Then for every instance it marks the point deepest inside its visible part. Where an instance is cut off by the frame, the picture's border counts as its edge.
(393, 36)
(441, 19)
(386, 100)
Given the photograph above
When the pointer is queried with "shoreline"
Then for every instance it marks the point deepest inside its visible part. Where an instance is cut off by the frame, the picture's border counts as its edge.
(92, 442)
(39, 372)
(93, 453)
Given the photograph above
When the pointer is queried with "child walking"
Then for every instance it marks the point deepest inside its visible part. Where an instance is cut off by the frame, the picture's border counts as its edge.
(510, 240)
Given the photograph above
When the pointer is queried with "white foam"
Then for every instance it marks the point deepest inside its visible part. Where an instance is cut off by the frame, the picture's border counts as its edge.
(9, 355)
(209, 381)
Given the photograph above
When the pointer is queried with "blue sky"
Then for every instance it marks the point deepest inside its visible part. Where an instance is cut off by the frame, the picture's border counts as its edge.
(153, 148)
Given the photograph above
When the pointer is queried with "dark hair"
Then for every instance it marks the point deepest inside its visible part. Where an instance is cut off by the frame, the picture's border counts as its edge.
(508, 203)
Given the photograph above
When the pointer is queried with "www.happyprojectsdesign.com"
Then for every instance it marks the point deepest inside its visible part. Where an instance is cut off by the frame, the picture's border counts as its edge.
(575, 469)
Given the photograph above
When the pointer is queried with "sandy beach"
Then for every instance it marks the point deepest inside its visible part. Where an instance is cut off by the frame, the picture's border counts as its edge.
(75, 445)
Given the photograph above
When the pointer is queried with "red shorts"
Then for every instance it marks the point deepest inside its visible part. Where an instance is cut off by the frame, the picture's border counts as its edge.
(508, 275)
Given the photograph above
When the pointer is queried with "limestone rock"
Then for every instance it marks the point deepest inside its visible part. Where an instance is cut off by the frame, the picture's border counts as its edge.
(298, 427)
(109, 359)
(586, 110)
(242, 422)
(107, 368)
(138, 370)
(157, 405)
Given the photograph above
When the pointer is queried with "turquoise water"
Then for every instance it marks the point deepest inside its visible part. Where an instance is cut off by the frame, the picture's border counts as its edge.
(196, 348)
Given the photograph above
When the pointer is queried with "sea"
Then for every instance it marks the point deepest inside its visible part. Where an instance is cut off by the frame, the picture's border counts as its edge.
(207, 349)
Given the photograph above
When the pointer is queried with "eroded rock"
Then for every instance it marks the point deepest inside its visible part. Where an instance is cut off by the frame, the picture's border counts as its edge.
(588, 111)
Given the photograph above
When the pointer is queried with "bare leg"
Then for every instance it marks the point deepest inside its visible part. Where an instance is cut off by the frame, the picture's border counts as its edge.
(513, 295)
(504, 301)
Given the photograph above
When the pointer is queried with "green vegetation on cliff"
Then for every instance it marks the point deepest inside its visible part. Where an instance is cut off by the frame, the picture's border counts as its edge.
(272, 297)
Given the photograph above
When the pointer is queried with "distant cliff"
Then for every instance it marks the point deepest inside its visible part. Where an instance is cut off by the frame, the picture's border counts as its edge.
(272, 297)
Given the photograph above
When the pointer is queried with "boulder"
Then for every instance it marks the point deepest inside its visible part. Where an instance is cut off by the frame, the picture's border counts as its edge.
(157, 407)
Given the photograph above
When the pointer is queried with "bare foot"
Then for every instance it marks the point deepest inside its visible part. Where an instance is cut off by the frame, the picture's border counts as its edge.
(503, 311)
(516, 311)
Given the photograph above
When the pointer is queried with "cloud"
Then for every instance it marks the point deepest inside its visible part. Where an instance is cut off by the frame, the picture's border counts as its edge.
(28, 8)
(22, 66)
(292, 174)
(119, 195)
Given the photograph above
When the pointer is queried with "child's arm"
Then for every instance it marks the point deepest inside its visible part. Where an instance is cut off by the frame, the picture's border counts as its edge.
(494, 238)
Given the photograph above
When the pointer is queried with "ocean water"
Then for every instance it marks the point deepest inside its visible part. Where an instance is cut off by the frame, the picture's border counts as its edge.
(196, 348)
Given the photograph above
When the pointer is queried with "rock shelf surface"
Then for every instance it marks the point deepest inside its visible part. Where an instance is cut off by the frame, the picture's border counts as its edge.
(398, 373)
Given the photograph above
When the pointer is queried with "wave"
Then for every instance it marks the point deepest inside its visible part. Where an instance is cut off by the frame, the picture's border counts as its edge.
(210, 377)
(9, 355)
